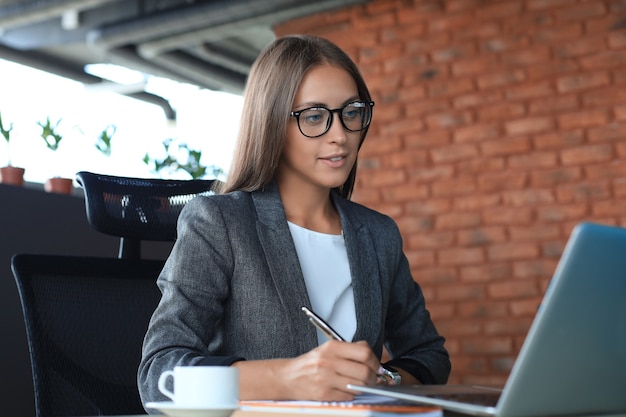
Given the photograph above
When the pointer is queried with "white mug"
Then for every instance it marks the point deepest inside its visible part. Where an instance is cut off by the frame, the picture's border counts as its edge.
(209, 387)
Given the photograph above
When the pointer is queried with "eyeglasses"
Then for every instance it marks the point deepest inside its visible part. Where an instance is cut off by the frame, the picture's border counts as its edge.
(313, 122)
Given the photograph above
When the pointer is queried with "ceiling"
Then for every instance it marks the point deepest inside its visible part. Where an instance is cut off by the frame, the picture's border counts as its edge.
(208, 43)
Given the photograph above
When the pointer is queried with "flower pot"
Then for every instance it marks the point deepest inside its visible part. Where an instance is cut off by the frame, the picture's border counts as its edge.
(12, 175)
(59, 185)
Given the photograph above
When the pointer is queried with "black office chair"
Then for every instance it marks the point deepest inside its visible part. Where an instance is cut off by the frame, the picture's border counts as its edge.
(137, 209)
(86, 316)
(85, 322)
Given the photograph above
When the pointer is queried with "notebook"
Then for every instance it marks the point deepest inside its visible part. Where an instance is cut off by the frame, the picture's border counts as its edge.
(573, 360)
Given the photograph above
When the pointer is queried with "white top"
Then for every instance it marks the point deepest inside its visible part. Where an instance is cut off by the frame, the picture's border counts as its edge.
(324, 262)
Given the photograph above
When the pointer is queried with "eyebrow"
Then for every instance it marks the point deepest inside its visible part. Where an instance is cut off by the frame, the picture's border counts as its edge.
(310, 104)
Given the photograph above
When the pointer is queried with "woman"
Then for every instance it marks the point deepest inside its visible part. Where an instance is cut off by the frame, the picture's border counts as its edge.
(282, 234)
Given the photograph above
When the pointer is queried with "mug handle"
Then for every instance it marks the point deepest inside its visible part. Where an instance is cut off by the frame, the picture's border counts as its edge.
(162, 387)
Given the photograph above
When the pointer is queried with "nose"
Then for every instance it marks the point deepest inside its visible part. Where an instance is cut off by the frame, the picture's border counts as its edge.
(337, 133)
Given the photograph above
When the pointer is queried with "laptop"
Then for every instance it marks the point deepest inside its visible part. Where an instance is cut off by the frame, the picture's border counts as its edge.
(573, 360)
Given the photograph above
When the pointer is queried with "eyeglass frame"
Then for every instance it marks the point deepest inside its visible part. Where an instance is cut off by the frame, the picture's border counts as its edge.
(339, 111)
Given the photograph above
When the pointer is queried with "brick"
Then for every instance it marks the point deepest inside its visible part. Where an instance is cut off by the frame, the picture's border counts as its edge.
(435, 240)
(529, 125)
(428, 139)
(500, 42)
(580, 12)
(580, 47)
(481, 236)
(476, 201)
(406, 158)
(555, 176)
(603, 171)
(527, 307)
(603, 60)
(480, 165)
(479, 309)
(583, 191)
(608, 133)
(447, 88)
(507, 215)
(456, 220)
(501, 111)
(530, 90)
(559, 139)
(547, 4)
(512, 251)
(399, 127)
(487, 345)
(507, 180)
(512, 290)
(579, 82)
(455, 51)
(535, 268)
(534, 160)
(453, 187)
(587, 154)
(619, 187)
(535, 232)
(420, 258)
(476, 133)
(552, 249)
(437, 276)
(608, 208)
(453, 153)
(525, 57)
(448, 119)
(500, 79)
(603, 97)
(387, 177)
(509, 145)
(583, 119)
(477, 99)
(460, 292)
(430, 174)
(404, 192)
(499, 10)
(528, 197)
(554, 34)
(552, 105)
(461, 256)
(542, 71)
(449, 23)
(474, 66)
(507, 326)
(422, 108)
(429, 206)
(561, 212)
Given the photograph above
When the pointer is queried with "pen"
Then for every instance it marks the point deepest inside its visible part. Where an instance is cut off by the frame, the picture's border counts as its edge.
(322, 325)
(333, 335)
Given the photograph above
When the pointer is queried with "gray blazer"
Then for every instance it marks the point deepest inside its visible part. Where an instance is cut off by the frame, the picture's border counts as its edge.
(233, 289)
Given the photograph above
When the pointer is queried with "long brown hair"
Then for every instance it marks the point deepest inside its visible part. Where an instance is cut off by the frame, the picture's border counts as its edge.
(270, 92)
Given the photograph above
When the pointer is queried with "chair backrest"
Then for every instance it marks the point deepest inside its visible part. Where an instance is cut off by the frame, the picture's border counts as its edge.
(85, 322)
(137, 209)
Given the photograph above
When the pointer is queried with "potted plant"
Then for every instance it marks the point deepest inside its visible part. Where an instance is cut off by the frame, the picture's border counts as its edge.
(103, 144)
(53, 139)
(186, 160)
(10, 174)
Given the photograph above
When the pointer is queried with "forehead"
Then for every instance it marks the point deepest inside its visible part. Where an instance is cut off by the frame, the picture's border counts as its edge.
(326, 84)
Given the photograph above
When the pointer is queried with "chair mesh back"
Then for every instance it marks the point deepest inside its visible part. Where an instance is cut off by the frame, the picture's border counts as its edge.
(85, 322)
(138, 208)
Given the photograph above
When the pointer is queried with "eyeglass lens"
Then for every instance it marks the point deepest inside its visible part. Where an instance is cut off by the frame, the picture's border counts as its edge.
(316, 121)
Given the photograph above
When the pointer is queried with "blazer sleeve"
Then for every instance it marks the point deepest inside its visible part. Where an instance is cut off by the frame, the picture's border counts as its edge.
(194, 284)
(410, 335)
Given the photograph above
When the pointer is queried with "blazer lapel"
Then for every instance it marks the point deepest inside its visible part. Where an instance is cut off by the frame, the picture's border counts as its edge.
(365, 273)
(282, 260)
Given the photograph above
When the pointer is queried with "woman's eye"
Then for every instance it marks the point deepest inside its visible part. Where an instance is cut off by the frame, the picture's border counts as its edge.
(312, 117)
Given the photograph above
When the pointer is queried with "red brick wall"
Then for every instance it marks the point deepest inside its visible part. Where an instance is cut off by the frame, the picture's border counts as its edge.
(498, 126)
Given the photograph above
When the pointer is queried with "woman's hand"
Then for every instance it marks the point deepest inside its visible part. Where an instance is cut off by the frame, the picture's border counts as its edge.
(323, 373)
(319, 375)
